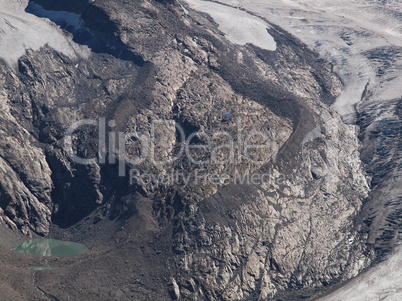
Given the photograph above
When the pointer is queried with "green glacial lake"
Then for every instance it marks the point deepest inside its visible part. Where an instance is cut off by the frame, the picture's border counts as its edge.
(51, 247)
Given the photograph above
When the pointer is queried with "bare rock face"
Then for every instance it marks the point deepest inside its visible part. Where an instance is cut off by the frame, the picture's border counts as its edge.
(25, 175)
(273, 219)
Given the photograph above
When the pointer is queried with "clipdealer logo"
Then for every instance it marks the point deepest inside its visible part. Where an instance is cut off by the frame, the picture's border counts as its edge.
(112, 145)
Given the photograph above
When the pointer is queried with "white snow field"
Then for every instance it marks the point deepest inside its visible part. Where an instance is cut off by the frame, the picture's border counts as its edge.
(239, 27)
(345, 32)
(20, 31)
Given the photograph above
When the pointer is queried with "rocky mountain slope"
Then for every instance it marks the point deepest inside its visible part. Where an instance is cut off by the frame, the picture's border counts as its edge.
(221, 220)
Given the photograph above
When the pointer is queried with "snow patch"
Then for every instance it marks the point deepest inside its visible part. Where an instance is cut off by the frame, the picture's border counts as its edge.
(20, 31)
(382, 282)
(239, 27)
(64, 18)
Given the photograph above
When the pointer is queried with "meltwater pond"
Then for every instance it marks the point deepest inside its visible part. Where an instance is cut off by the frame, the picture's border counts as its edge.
(51, 247)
